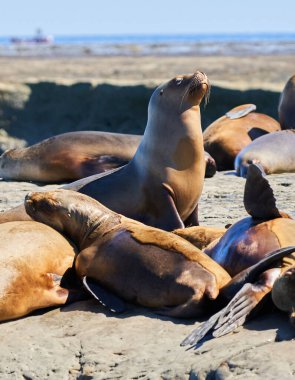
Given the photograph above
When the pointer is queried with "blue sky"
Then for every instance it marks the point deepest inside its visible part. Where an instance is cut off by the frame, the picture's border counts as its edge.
(74, 17)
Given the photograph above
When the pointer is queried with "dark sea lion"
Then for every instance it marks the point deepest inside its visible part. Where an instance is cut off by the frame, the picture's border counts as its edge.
(274, 152)
(287, 105)
(33, 258)
(249, 240)
(74, 155)
(138, 263)
(68, 157)
(245, 291)
(163, 182)
(228, 135)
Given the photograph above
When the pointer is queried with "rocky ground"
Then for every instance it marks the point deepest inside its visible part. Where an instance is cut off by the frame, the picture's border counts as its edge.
(84, 341)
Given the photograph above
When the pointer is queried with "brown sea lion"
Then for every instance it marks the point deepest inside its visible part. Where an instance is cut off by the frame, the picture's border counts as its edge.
(244, 291)
(33, 258)
(287, 105)
(74, 155)
(229, 134)
(163, 182)
(248, 242)
(264, 151)
(68, 157)
(138, 263)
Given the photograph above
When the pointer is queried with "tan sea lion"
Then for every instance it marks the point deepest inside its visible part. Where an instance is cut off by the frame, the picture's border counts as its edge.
(163, 182)
(68, 157)
(283, 293)
(33, 258)
(264, 151)
(228, 135)
(74, 155)
(138, 263)
(287, 105)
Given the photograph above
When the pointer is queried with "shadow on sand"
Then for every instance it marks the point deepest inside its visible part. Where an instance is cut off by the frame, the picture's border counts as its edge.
(47, 108)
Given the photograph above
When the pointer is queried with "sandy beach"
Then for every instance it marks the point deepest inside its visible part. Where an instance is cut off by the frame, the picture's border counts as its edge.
(41, 97)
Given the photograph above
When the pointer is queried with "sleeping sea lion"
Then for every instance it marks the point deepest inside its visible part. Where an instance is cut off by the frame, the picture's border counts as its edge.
(33, 259)
(265, 151)
(229, 134)
(68, 157)
(287, 105)
(138, 263)
(163, 182)
(74, 155)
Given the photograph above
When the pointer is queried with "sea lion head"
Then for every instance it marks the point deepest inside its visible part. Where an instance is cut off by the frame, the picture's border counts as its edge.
(69, 212)
(283, 292)
(182, 92)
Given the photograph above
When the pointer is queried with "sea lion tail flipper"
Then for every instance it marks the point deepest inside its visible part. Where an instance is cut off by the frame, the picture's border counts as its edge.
(259, 200)
(240, 111)
(105, 297)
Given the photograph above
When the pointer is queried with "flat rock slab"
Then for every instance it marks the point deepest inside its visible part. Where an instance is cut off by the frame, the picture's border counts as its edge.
(84, 341)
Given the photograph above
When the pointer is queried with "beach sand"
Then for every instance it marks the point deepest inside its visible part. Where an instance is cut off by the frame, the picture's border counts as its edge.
(83, 340)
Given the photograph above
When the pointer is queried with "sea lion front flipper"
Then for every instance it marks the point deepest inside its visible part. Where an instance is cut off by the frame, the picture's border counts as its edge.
(240, 111)
(259, 200)
(106, 298)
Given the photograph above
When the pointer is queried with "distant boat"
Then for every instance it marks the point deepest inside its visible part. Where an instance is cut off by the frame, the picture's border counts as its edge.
(39, 38)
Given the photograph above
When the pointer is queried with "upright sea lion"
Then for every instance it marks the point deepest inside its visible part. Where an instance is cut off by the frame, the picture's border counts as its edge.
(274, 152)
(229, 134)
(74, 155)
(163, 182)
(33, 258)
(138, 263)
(287, 105)
(68, 157)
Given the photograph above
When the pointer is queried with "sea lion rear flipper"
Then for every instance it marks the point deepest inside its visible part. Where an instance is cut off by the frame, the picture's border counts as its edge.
(254, 133)
(105, 297)
(259, 200)
(230, 317)
(240, 111)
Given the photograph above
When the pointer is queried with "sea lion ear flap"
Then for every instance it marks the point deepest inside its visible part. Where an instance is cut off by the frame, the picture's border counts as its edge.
(106, 298)
(240, 111)
(259, 200)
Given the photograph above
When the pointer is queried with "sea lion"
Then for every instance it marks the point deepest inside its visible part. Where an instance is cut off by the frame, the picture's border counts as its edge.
(138, 263)
(33, 258)
(287, 105)
(245, 291)
(163, 182)
(283, 293)
(74, 155)
(264, 151)
(68, 157)
(249, 242)
(229, 134)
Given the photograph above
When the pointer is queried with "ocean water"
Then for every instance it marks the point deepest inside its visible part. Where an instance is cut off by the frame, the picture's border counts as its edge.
(187, 44)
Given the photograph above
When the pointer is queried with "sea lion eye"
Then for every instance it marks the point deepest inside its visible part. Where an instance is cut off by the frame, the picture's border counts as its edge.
(178, 81)
(162, 92)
